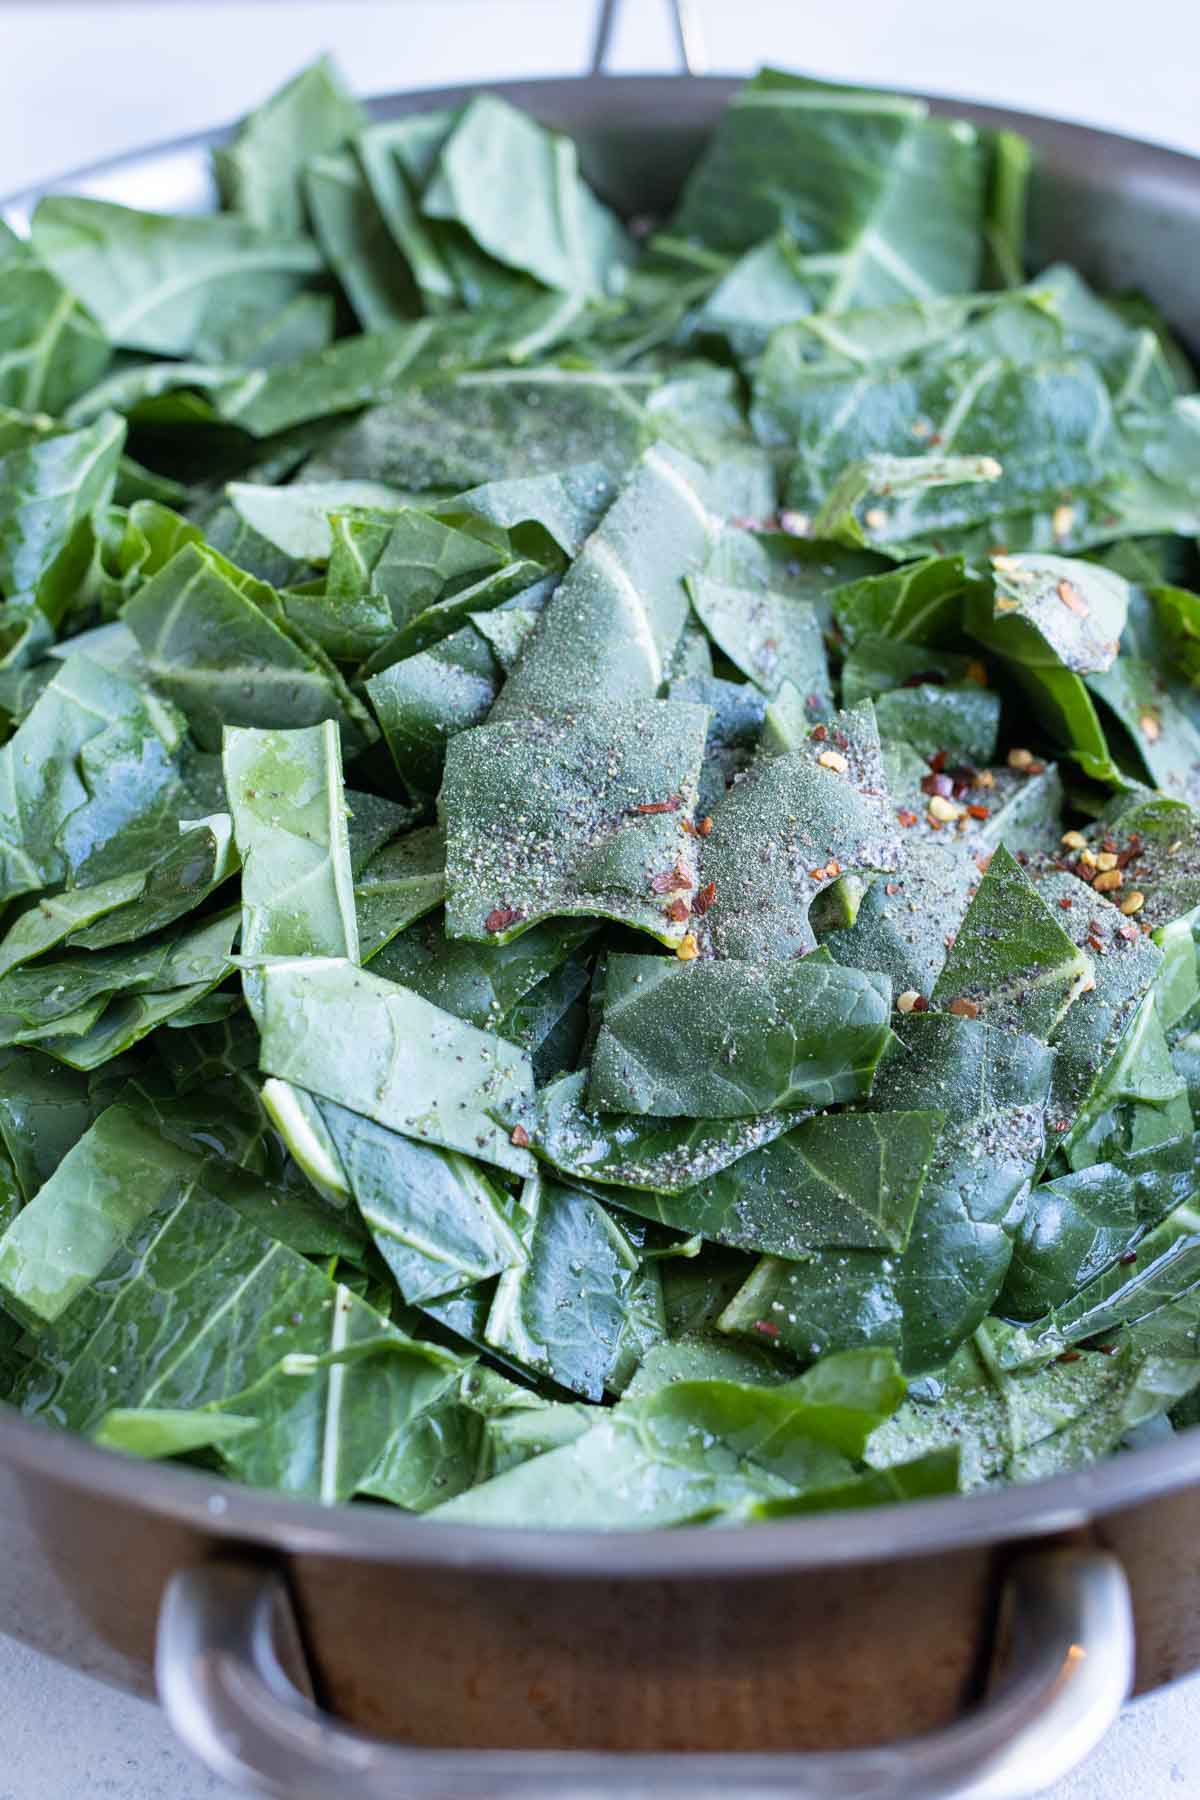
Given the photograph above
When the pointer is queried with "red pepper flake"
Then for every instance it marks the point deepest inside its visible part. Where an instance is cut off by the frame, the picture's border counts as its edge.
(500, 918)
(705, 898)
(658, 806)
(1035, 768)
(665, 882)
(519, 1137)
(937, 784)
(983, 863)
(905, 817)
(678, 910)
(704, 826)
(1107, 1349)
(964, 1009)
(818, 734)
(1072, 599)
(1066, 903)
(1128, 932)
(841, 740)
(977, 812)
(937, 761)
(1095, 944)
(833, 869)
(891, 887)
(767, 1327)
(1070, 1356)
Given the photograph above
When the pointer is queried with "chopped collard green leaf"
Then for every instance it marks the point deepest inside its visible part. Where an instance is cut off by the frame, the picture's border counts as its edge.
(626, 804)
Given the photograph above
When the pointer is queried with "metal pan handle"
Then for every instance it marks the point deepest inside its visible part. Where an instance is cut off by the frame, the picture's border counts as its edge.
(227, 1630)
(689, 40)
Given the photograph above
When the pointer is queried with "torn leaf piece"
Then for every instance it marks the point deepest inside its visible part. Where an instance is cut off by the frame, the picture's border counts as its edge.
(216, 640)
(439, 1221)
(771, 637)
(1077, 609)
(403, 881)
(289, 818)
(726, 1040)
(666, 1156)
(481, 983)
(1012, 963)
(991, 1087)
(693, 1448)
(580, 813)
(564, 1309)
(838, 1180)
(795, 825)
(370, 1045)
(610, 630)
(920, 603)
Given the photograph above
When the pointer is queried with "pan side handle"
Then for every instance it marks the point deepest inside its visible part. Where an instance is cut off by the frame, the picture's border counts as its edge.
(689, 39)
(228, 1636)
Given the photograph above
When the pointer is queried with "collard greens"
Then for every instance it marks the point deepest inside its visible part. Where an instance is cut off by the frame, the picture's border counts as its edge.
(599, 840)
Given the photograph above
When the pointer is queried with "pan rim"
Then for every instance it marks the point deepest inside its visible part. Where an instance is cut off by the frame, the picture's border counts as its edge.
(222, 1509)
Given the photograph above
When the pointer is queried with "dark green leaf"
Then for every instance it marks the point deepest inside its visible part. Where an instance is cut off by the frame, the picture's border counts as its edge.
(722, 1040)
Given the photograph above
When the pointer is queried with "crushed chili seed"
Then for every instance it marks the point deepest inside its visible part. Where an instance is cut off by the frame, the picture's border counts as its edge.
(1133, 903)
(704, 825)
(1107, 880)
(500, 918)
(658, 806)
(705, 898)
(984, 779)
(907, 1001)
(964, 1009)
(1106, 860)
(1073, 840)
(977, 812)
(687, 950)
(1020, 759)
(520, 1137)
(1063, 521)
(832, 759)
(1150, 727)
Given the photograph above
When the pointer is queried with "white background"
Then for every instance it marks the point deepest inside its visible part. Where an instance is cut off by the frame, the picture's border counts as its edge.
(81, 81)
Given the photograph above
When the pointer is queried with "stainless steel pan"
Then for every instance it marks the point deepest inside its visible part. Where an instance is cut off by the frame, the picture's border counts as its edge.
(833, 1656)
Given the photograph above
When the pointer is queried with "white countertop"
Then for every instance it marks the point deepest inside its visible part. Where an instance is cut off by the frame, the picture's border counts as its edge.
(79, 82)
